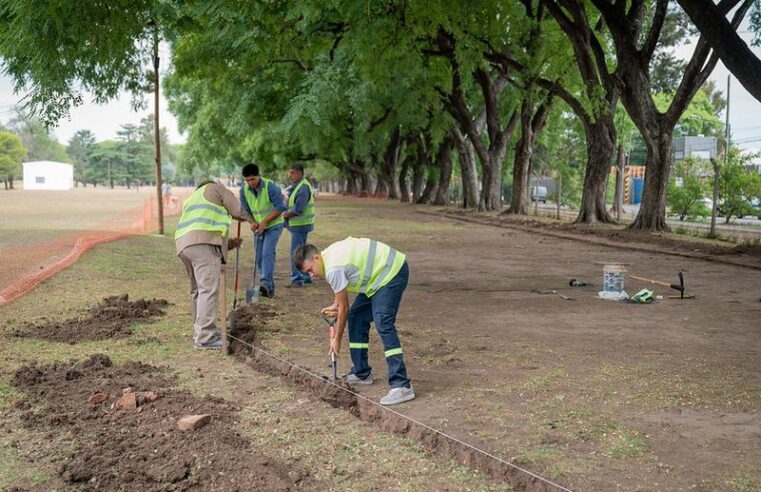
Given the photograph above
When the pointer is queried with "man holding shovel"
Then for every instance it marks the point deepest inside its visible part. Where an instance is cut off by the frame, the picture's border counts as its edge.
(263, 199)
(378, 274)
(202, 244)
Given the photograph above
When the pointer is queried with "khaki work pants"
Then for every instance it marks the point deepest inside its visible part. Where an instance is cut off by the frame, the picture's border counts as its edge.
(203, 263)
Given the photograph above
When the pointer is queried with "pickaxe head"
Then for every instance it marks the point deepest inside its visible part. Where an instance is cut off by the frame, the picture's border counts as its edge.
(680, 286)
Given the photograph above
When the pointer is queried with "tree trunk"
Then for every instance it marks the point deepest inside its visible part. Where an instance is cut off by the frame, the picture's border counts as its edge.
(351, 183)
(601, 143)
(418, 170)
(381, 189)
(403, 188)
(652, 210)
(444, 164)
(466, 155)
(364, 183)
(388, 166)
(618, 198)
(10, 182)
(431, 187)
(522, 163)
(6, 183)
(532, 122)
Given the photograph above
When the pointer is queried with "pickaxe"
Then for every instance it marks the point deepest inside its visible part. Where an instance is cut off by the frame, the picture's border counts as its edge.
(679, 287)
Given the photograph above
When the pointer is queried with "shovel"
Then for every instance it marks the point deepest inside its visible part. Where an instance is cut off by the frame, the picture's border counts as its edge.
(331, 321)
(252, 293)
(235, 284)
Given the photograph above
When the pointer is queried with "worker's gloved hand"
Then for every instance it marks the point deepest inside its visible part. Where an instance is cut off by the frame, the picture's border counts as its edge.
(335, 346)
(254, 226)
(260, 227)
(234, 243)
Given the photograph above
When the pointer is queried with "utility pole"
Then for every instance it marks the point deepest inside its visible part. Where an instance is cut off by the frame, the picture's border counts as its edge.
(156, 132)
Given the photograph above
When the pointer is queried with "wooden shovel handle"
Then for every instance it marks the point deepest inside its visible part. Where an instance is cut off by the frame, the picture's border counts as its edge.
(649, 280)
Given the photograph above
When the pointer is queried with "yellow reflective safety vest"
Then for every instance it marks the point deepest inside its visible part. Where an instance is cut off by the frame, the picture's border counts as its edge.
(261, 206)
(307, 215)
(377, 262)
(199, 214)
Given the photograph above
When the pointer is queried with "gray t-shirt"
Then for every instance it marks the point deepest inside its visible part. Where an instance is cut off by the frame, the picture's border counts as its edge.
(339, 277)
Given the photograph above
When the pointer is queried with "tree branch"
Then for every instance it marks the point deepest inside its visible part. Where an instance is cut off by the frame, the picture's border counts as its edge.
(718, 32)
(697, 70)
(655, 30)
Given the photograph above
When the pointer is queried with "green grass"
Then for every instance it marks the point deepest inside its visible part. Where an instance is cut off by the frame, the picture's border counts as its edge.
(147, 266)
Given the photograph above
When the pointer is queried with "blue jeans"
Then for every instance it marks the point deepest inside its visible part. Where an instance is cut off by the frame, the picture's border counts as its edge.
(381, 308)
(265, 258)
(297, 277)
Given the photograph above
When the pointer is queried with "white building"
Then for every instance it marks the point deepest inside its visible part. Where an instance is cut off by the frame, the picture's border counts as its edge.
(48, 175)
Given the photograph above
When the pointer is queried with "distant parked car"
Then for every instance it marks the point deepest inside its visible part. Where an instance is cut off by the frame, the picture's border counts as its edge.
(539, 194)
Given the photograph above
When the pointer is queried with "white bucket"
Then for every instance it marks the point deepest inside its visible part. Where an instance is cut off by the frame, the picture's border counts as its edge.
(613, 277)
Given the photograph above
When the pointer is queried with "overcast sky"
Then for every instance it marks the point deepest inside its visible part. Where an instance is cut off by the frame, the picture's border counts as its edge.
(105, 120)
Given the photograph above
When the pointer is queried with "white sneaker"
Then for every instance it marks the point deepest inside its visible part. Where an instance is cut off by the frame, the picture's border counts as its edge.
(398, 395)
(353, 379)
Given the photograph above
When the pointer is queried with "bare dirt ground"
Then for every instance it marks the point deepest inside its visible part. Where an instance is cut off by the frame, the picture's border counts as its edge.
(140, 447)
(595, 394)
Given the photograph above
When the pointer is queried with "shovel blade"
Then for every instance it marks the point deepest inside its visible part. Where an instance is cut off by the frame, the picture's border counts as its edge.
(252, 295)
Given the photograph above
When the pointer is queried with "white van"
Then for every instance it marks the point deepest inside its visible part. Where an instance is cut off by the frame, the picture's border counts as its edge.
(539, 194)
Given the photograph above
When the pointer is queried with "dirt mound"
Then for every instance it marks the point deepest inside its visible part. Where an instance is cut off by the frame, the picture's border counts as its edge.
(251, 319)
(109, 319)
(125, 422)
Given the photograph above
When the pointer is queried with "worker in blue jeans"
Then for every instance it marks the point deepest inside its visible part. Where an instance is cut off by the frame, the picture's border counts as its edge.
(299, 218)
(263, 199)
(378, 274)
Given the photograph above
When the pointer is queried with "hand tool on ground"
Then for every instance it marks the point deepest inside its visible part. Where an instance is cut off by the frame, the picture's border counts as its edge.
(235, 283)
(330, 319)
(252, 291)
(552, 291)
(679, 287)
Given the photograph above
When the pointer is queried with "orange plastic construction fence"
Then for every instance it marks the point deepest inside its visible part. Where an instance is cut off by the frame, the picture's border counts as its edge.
(133, 222)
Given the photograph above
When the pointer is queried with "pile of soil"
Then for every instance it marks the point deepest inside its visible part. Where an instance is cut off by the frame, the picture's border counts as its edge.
(141, 448)
(109, 319)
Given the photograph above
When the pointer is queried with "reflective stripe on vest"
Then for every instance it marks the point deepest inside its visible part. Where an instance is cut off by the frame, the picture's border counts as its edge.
(199, 214)
(376, 262)
(261, 206)
(307, 215)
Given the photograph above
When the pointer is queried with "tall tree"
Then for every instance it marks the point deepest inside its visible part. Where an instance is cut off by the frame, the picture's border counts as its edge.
(39, 141)
(81, 146)
(635, 44)
(11, 154)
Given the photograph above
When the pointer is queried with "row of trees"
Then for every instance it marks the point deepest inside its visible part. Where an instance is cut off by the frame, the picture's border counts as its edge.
(396, 90)
(127, 160)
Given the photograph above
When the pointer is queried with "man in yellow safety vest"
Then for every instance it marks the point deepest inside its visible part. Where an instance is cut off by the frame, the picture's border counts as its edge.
(299, 218)
(263, 199)
(201, 243)
(378, 275)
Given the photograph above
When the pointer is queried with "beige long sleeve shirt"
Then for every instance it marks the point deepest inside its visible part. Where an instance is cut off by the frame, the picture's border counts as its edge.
(219, 195)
